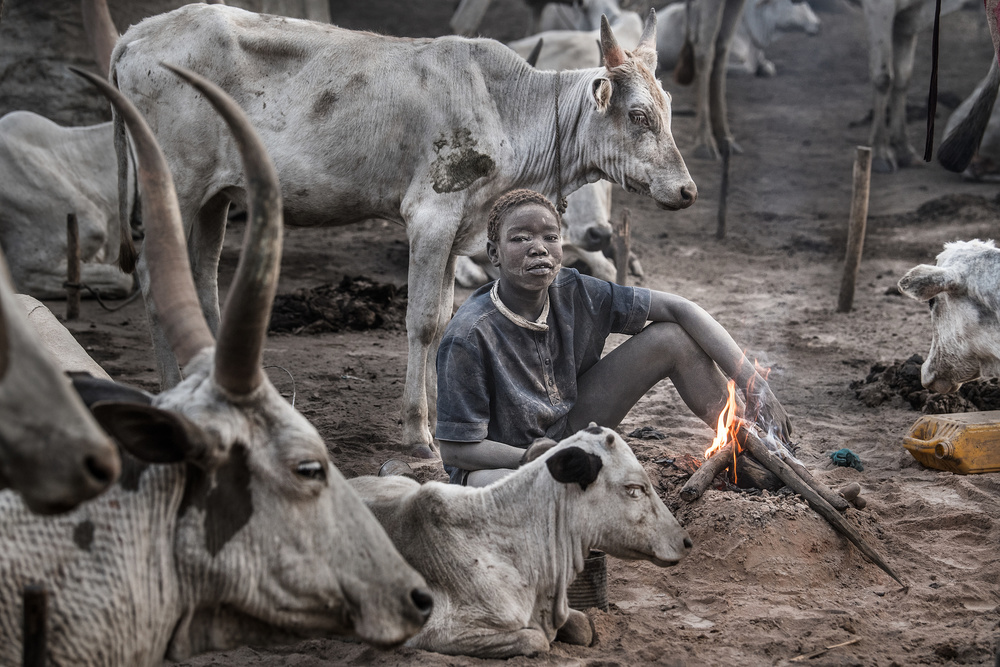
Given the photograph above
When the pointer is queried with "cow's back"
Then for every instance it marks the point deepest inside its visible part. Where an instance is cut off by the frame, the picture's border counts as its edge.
(108, 569)
(348, 117)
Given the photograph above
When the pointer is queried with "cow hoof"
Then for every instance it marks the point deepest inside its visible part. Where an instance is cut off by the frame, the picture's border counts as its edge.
(578, 629)
(396, 467)
(883, 165)
(423, 452)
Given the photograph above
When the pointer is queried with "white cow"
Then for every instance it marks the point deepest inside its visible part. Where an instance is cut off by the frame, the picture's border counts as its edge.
(424, 132)
(893, 26)
(246, 532)
(581, 15)
(48, 171)
(762, 21)
(964, 294)
(499, 558)
(52, 452)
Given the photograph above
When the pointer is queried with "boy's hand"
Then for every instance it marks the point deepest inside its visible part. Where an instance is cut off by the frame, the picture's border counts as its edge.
(770, 415)
(538, 447)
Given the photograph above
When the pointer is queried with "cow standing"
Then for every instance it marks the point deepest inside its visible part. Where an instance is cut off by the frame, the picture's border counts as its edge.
(424, 132)
(499, 558)
(245, 531)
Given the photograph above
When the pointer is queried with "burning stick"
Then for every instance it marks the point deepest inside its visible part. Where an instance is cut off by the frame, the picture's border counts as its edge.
(760, 452)
(704, 475)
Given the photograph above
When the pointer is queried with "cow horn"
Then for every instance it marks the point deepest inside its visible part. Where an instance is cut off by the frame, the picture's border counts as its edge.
(646, 48)
(614, 55)
(101, 32)
(242, 332)
(165, 248)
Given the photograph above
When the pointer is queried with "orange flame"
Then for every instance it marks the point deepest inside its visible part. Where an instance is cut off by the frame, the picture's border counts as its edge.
(725, 429)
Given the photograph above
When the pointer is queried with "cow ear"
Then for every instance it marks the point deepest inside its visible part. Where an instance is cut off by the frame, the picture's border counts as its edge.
(614, 55)
(602, 93)
(924, 282)
(645, 50)
(572, 464)
(153, 435)
(94, 390)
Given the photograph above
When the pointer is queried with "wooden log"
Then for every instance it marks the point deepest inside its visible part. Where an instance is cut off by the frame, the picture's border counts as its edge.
(856, 229)
(752, 475)
(760, 452)
(828, 494)
(72, 268)
(720, 230)
(623, 247)
(34, 614)
(703, 476)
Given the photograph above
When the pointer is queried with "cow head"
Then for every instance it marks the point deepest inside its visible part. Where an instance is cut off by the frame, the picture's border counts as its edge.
(617, 497)
(270, 538)
(587, 221)
(52, 451)
(632, 121)
(963, 291)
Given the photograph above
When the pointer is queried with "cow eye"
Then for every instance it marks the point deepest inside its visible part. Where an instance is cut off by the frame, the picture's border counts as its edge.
(311, 470)
(639, 118)
(635, 490)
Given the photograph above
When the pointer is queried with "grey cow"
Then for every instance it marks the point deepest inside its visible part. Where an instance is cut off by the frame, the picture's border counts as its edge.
(424, 132)
(244, 531)
(499, 558)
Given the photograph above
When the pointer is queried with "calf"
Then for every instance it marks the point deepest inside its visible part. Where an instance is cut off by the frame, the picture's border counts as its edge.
(245, 532)
(427, 133)
(963, 291)
(52, 452)
(499, 559)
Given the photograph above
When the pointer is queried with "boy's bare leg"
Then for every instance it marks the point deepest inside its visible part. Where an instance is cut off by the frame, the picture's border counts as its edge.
(607, 391)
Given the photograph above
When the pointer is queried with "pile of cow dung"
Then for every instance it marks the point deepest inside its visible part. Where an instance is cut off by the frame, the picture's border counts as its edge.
(902, 378)
(357, 303)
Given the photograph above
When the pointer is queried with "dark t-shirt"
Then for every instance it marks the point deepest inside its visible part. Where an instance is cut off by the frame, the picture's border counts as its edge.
(498, 380)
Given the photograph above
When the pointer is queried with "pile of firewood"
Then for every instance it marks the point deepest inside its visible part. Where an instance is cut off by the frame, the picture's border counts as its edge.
(767, 470)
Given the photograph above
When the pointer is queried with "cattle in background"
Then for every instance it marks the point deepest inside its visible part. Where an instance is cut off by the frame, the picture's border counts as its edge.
(52, 452)
(245, 531)
(893, 26)
(762, 21)
(48, 171)
(425, 132)
(979, 152)
(499, 558)
(963, 291)
(580, 15)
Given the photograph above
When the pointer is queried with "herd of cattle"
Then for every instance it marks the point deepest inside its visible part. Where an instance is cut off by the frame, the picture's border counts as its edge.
(212, 515)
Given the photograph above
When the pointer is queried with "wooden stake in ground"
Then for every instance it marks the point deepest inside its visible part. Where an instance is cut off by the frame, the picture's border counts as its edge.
(725, 150)
(760, 452)
(856, 229)
(72, 268)
(622, 243)
(34, 614)
(703, 476)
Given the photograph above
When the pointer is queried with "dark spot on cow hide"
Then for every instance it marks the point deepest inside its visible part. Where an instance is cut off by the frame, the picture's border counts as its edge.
(227, 502)
(594, 429)
(357, 80)
(324, 102)
(83, 534)
(458, 165)
(573, 464)
(270, 48)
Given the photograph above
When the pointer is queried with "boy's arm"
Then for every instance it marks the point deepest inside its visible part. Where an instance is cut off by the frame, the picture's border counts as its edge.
(490, 454)
(720, 346)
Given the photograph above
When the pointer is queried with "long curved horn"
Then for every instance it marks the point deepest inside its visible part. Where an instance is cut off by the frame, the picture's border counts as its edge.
(101, 32)
(165, 247)
(239, 351)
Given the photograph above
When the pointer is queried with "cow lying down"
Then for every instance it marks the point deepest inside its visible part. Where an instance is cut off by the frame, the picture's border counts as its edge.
(498, 559)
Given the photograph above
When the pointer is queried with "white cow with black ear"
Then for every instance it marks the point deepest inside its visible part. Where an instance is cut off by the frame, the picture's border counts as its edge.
(498, 559)
(963, 291)
(245, 531)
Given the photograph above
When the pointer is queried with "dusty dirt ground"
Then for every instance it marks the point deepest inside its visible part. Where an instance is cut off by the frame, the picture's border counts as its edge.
(768, 579)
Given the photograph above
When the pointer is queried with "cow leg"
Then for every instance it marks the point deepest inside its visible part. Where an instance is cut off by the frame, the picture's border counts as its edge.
(204, 250)
(879, 17)
(502, 645)
(430, 263)
(732, 11)
(447, 301)
(904, 46)
(578, 629)
(708, 24)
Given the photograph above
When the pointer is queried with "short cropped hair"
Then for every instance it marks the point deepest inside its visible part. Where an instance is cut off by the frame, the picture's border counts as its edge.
(510, 201)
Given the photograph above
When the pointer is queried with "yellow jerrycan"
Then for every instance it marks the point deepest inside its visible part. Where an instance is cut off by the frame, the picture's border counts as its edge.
(964, 442)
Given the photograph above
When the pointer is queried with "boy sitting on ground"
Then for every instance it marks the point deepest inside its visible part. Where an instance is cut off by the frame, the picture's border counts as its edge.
(520, 367)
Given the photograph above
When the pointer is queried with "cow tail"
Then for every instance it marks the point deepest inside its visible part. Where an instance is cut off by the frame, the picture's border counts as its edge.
(127, 254)
(684, 71)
